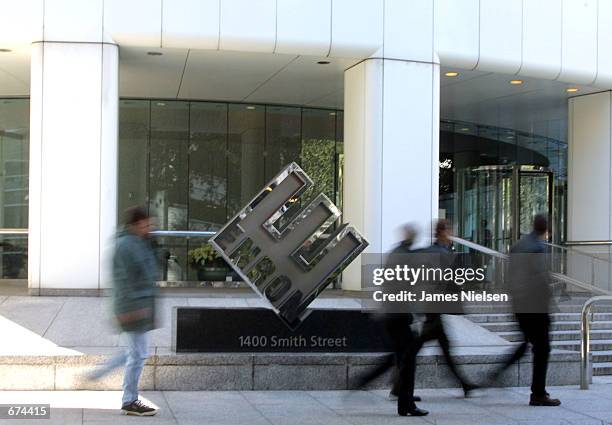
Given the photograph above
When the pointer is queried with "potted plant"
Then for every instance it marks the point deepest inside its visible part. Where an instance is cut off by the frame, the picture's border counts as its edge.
(209, 265)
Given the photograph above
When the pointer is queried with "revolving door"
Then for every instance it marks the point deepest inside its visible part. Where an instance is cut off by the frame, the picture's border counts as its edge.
(496, 204)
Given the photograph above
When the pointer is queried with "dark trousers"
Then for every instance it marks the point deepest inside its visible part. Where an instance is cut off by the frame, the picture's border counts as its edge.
(433, 329)
(405, 349)
(535, 328)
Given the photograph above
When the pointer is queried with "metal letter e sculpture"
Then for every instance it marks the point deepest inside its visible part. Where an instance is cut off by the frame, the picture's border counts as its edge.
(286, 254)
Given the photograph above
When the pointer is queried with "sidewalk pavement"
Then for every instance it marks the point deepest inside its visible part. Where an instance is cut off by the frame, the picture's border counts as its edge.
(488, 407)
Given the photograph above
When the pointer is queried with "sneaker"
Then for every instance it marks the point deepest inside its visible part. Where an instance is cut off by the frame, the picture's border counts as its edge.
(543, 400)
(137, 408)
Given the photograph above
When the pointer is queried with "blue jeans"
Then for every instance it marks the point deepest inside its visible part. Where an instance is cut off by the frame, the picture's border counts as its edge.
(133, 358)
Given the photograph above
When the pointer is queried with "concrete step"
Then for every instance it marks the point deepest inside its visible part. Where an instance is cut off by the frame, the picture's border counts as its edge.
(596, 345)
(601, 356)
(166, 370)
(562, 308)
(596, 334)
(602, 368)
(556, 317)
(555, 326)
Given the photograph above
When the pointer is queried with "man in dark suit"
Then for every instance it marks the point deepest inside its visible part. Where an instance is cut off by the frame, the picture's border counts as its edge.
(433, 328)
(529, 284)
(403, 342)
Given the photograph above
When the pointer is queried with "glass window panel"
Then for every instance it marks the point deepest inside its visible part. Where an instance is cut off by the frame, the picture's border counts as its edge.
(246, 154)
(168, 164)
(133, 152)
(168, 182)
(318, 150)
(208, 166)
(339, 157)
(282, 138)
(14, 157)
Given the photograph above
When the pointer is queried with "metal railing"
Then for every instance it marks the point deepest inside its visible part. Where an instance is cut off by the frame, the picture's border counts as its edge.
(585, 340)
(14, 231)
(188, 234)
(587, 243)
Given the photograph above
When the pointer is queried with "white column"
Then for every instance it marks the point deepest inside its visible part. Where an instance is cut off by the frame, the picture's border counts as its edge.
(589, 204)
(391, 144)
(73, 165)
(589, 168)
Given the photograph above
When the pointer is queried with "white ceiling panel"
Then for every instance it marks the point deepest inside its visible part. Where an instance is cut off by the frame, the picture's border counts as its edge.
(143, 75)
(536, 106)
(15, 72)
(230, 76)
(305, 82)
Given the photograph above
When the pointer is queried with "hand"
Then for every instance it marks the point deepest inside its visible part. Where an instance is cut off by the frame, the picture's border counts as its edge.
(133, 316)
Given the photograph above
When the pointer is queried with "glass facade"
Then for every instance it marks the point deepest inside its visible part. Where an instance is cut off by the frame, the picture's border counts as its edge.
(14, 157)
(195, 164)
(494, 180)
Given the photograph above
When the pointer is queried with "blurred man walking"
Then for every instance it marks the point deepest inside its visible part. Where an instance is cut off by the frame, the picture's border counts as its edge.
(529, 283)
(134, 275)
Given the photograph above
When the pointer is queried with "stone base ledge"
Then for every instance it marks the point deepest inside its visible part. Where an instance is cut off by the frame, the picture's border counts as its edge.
(271, 371)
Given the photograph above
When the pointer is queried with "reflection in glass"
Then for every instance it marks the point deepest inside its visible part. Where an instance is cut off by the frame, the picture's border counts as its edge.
(168, 183)
(246, 155)
(195, 164)
(133, 156)
(14, 163)
(319, 151)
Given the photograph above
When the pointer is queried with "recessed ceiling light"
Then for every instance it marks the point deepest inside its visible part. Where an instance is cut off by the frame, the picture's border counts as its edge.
(154, 53)
(324, 62)
(465, 129)
(516, 82)
(333, 114)
(161, 104)
(571, 89)
(250, 107)
(451, 74)
(5, 50)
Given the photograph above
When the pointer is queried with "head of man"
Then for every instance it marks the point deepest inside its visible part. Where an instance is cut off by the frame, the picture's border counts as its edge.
(138, 221)
(411, 233)
(540, 226)
(442, 232)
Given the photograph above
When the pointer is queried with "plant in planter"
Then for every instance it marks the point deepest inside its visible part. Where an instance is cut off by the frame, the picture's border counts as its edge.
(209, 265)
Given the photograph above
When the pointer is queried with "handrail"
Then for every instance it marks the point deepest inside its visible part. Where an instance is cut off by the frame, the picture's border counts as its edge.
(479, 248)
(588, 243)
(14, 231)
(585, 325)
(184, 233)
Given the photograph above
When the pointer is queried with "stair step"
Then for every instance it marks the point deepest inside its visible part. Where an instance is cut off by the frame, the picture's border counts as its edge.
(557, 317)
(596, 345)
(603, 368)
(601, 356)
(555, 326)
(596, 334)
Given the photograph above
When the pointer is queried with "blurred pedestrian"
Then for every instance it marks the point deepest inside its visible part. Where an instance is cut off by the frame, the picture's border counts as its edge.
(398, 327)
(134, 290)
(530, 288)
(433, 328)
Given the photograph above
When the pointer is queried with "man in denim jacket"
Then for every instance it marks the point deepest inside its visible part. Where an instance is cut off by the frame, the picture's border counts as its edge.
(134, 291)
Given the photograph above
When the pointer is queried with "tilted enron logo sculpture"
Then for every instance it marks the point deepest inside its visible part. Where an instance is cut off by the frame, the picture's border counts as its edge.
(286, 254)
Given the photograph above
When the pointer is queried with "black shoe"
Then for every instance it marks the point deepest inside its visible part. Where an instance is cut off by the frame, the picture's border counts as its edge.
(468, 389)
(543, 400)
(414, 411)
(137, 408)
